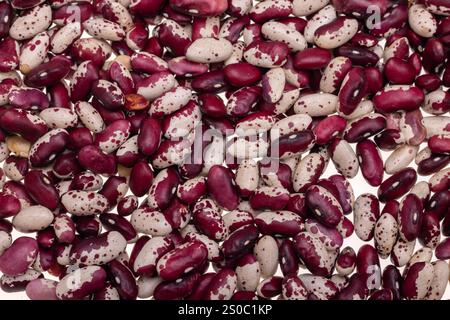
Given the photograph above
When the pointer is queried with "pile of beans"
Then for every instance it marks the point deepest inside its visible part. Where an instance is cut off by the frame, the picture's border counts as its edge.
(177, 149)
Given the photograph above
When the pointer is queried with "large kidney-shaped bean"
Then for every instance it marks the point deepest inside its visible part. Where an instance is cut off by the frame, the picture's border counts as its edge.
(181, 260)
(149, 221)
(91, 157)
(19, 256)
(266, 54)
(324, 205)
(97, 250)
(45, 149)
(84, 203)
(370, 162)
(31, 23)
(221, 187)
(366, 211)
(163, 188)
(32, 219)
(398, 97)
(41, 189)
(80, 283)
(397, 185)
(417, 281)
(410, 217)
(279, 222)
(314, 254)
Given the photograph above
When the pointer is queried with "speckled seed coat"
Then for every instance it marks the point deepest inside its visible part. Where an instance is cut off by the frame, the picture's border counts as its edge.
(421, 21)
(150, 222)
(98, 250)
(31, 23)
(209, 50)
(266, 252)
(316, 104)
(385, 234)
(84, 203)
(366, 212)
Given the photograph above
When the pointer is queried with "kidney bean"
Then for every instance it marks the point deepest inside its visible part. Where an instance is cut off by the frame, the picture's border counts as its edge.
(279, 222)
(346, 261)
(80, 283)
(97, 250)
(266, 54)
(324, 205)
(417, 281)
(321, 287)
(123, 280)
(367, 212)
(33, 218)
(19, 256)
(392, 280)
(317, 259)
(11, 205)
(397, 185)
(344, 158)
(370, 161)
(247, 273)
(184, 258)
(397, 98)
(41, 289)
(236, 219)
(41, 189)
(239, 241)
(16, 283)
(308, 171)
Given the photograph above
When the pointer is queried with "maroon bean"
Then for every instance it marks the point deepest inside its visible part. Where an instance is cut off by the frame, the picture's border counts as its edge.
(222, 188)
(397, 185)
(398, 71)
(316, 258)
(443, 250)
(10, 205)
(45, 149)
(428, 82)
(149, 136)
(41, 189)
(6, 18)
(123, 280)
(392, 280)
(396, 98)
(353, 90)
(329, 128)
(293, 144)
(242, 74)
(410, 217)
(368, 266)
(356, 289)
(358, 55)
(66, 165)
(433, 164)
(23, 122)
(429, 234)
(19, 256)
(270, 287)
(92, 158)
(324, 205)
(279, 222)
(114, 189)
(370, 162)
(181, 260)
(222, 286)
(312, 59)
(163, 188)
(118, 223)
(28, 98)
(47, 74)
(287, 258)
(80, 283)
(417, 281)
(178, 289)
(240, 241)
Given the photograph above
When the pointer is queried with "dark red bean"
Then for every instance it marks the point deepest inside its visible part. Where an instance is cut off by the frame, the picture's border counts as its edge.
(123, 280)
(312, 59)
(397, 185)
(41, 189)
(222, 187)
(370, 162)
